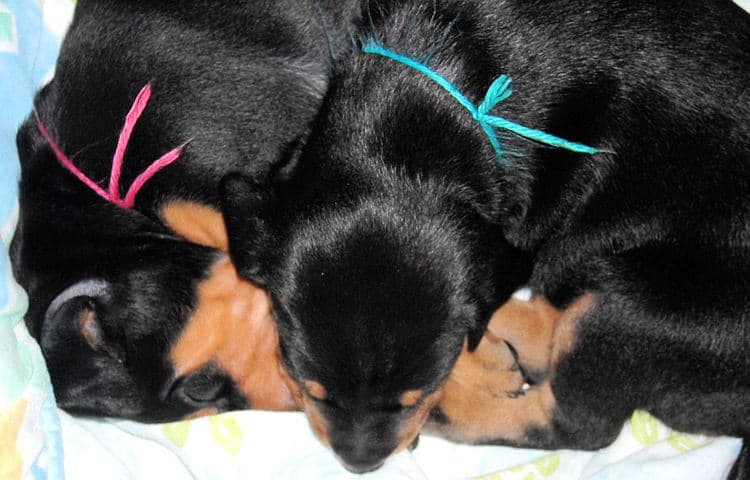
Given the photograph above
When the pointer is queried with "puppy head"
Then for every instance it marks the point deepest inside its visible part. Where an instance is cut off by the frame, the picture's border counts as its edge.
(106, 303)
(106, 342)
(127, 286)
(112, 292)
(374, 301)
(369, 336)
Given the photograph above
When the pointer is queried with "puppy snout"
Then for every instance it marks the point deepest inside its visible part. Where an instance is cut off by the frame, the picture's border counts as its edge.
(362, 459)
(362, 466)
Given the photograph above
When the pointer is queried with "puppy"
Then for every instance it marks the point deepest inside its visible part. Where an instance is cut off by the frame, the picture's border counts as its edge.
(397, 233)
(113, 290)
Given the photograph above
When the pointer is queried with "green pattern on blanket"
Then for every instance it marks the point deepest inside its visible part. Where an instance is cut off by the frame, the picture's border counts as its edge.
(177, 433)
(7, 33)
(645, 428)
(224, 430)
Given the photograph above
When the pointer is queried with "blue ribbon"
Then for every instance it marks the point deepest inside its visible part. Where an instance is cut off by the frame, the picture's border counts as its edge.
(499, 90)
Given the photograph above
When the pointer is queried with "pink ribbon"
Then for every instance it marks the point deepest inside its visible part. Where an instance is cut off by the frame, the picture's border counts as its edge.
(113, 194)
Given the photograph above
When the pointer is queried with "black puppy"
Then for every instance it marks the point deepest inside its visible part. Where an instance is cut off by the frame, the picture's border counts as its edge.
(111, 288)
(398, 233)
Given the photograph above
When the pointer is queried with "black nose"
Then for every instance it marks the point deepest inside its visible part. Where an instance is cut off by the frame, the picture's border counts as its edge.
(362, 459)
(362, 467)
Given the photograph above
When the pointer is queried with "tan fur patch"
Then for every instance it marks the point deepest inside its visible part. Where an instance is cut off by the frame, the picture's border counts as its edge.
(204, 412)
(484, 417)
(566, 325)
(197, 223)
(529, 327)
(316, 390)
(476, 399)
(89, 328)
(411, 427)
(317, 421)
(233, 325)
(410, 398)
(306, 403)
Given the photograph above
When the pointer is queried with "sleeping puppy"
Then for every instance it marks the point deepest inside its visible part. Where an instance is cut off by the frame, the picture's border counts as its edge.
(115, 288)
(398, 233)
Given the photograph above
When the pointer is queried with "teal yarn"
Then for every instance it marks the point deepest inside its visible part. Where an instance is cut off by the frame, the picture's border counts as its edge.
(499, 91)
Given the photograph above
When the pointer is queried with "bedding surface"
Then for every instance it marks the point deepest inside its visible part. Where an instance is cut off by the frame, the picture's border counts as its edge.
(38, 441)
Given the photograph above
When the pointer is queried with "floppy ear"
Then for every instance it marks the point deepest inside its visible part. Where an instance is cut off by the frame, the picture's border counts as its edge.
(72, 321)
(244, 205)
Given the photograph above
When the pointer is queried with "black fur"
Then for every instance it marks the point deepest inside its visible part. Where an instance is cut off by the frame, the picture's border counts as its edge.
(397, 234)
(242, 80)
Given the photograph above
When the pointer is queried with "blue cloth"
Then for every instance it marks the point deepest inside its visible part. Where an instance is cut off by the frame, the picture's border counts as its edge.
(28, 50)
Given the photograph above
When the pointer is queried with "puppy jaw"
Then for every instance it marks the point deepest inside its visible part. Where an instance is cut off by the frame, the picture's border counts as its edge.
(305, 394)
(411, 427)
(306, 403)
(232, 324)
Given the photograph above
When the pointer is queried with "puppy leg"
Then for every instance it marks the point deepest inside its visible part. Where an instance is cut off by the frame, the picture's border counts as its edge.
(474, 411)
(485, 379)
(529, 328)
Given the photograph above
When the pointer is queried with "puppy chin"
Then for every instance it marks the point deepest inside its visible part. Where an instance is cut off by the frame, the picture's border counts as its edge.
(360, 469)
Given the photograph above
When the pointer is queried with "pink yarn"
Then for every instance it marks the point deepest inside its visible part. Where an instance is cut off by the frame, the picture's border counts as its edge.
(113, 195)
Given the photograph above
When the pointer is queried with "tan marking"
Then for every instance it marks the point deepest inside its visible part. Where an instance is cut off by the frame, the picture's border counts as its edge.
(411, 427)
(306, 403)
(566, 325)
(89, 328)
(197, 223)
(410, 398)
(233, 325)
(528, 327)
(489, 370)
(475, 404)
(484, 417)
(295, 388)
(204, 412)
(315, 390)
(317, 421)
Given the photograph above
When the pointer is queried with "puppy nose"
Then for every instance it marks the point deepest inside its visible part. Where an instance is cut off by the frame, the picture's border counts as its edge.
(362, 466)
(363, 459)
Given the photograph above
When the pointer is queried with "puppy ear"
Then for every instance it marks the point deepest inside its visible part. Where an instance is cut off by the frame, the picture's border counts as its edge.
(196, 223)
(72, 320)
(244, 205)
(28, 140)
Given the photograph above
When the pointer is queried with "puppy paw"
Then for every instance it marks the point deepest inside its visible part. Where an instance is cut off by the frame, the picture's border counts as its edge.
(489, 371)
(528, 326)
